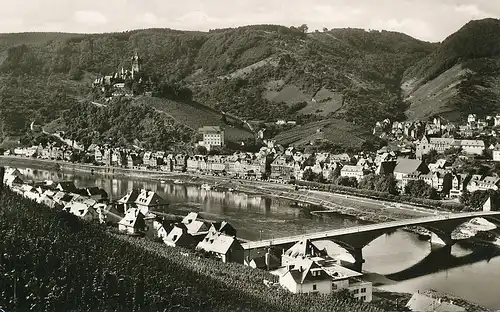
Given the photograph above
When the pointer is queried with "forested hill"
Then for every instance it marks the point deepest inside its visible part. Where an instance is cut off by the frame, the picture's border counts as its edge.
(260, 72)
(462, 76)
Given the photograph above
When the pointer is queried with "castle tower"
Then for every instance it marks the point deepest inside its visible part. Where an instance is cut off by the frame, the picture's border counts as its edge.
(136, 64)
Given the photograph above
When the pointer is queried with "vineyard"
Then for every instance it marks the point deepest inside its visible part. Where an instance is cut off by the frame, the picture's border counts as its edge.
(51, 261)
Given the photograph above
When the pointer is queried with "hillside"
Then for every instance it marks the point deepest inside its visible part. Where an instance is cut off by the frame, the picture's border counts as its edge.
(261, 72)
(43, 271)
(258, 73)
(460, 77)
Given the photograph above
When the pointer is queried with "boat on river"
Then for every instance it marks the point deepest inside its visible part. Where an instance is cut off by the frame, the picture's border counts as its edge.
(206, 187)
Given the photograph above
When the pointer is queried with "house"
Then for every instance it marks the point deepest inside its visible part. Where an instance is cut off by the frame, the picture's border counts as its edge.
(223, 227)
(11, 181)
(324, 277)
(227, 248)
(302, 249)
(438, 144)
(128, 201)
(63, 198)
(82, 211)
(268, 261)
(478, 183)
(197, 227)
(212, 136)
(496, 153)
(282, 168)
(147, 201)
(66, 186)
(459, 183)
(95, 193)
(179, 237)
(357, 172)
(471, 146)
(404, 167)
(133, 222)
(426, 302)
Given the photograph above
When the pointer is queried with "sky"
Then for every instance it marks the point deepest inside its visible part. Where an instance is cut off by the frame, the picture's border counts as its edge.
(430, 20)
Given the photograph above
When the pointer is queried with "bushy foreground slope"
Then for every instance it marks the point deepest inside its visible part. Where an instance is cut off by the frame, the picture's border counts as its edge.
(61, 264)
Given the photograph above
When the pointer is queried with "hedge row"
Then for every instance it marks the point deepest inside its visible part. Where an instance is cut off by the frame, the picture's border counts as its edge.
(427, 203)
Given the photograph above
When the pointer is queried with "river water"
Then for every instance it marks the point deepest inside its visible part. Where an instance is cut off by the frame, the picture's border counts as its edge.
(397, 262)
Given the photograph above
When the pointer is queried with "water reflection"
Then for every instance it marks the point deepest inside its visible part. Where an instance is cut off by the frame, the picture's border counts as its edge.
(402, 262)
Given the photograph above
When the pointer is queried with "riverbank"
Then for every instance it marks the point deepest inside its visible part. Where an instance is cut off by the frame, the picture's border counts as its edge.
(365, 209)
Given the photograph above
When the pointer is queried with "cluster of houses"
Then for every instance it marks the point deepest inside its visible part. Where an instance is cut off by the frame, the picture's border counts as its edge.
(303, 268)
(282, 165)
(440, 135)
(413, 130)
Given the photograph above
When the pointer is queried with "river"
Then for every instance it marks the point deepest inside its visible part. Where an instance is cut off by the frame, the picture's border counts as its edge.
(397, 262)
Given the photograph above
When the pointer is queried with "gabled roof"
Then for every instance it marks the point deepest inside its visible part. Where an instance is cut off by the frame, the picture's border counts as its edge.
(131, 217)
(304, 248)
(217, 243)
(386, 167)
(197, 226)
(130, 197)
(192, 216)
(423, 302)
(210, 129)
(67, 186)
(407, 166)
(150, 199)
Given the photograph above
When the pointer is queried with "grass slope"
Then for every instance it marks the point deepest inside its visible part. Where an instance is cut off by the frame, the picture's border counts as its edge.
(195, 115)
(335, 131)
(58, 263)
(460, 77)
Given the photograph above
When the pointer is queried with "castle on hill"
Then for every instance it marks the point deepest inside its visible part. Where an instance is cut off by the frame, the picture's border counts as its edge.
(115, 83)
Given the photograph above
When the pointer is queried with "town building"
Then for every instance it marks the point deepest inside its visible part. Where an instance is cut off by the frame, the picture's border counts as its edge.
(357, 172)
(213, 136)
(405, 167)
(133, 222)
(227, 248)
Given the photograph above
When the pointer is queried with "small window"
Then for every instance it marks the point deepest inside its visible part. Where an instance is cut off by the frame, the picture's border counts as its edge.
(363, 290)
(355, 291)
(314, 287)
(363, 298)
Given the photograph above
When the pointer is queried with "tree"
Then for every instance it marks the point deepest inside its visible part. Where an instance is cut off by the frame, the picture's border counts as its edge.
(303, 28)
(379, 183)
(325, 29)
(420, 189)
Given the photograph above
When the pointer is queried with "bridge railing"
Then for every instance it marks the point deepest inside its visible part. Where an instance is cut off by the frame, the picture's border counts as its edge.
(366, 228)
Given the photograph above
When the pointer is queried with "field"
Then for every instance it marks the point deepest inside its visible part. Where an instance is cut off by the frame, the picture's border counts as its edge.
(339, 132)
(195, 115)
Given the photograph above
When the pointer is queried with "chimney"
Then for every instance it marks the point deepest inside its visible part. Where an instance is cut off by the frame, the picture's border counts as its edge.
(268, 258)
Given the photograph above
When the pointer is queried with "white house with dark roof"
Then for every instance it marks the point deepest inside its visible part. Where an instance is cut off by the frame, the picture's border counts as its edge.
(405, 167)
(133, 222)
(128, 200)
(149, 200)
(179, 237)
(227, 248)
(82, 211)
(310, 276)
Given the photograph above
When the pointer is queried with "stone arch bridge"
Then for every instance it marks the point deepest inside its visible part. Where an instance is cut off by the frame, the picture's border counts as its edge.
(354, 239)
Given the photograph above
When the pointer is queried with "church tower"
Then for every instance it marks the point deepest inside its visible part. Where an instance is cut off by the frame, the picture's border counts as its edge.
(136, 64)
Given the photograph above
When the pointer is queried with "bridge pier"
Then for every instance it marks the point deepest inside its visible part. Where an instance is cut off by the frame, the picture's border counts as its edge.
(357, 253)
(439, 241)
